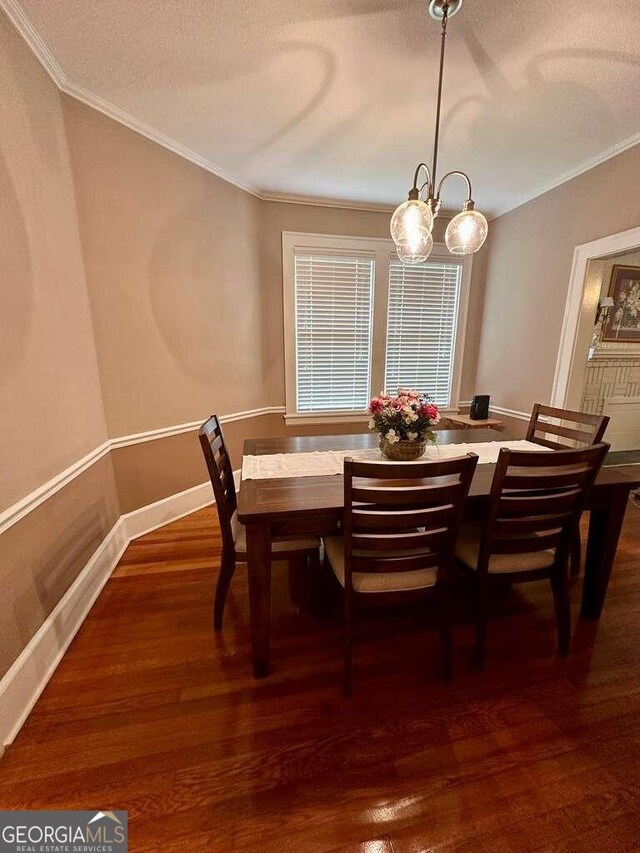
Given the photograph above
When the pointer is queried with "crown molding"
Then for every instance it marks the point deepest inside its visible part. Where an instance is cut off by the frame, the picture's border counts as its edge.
(123, 117)
(51, 65)
(23, 25)
(319, 201)
(43, 54)
(618, 148)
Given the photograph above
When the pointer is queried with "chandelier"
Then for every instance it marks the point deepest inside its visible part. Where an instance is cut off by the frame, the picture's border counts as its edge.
(412, 222)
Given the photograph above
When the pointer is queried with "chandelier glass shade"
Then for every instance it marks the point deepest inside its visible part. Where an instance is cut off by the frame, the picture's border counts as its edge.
(411, 226)
(466, 232)
(412, 221)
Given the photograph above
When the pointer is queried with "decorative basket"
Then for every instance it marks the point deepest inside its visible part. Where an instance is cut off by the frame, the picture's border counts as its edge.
(403, 450)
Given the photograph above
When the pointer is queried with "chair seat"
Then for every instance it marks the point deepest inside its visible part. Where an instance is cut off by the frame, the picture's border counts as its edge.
(376, 581)
(468, 547)
(279, 545)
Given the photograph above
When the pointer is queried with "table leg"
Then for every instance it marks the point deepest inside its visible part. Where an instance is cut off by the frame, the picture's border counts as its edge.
(259, 572)
(604, 532)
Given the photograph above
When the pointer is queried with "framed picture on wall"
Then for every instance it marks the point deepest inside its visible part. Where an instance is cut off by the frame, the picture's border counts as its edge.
(623, 320)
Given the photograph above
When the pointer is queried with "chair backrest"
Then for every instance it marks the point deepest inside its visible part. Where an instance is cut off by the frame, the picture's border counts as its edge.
(537, 499)
(221, 475)
(586, 430)
(402, 517)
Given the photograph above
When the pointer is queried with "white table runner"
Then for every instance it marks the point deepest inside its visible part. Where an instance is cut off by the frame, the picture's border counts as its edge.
(327, 463)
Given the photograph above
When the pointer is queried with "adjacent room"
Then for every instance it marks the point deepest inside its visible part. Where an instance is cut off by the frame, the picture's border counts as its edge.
(320, 458)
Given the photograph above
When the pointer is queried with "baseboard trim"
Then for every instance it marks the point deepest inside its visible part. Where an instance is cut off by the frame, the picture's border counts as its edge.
(32, 669)
(155, 515)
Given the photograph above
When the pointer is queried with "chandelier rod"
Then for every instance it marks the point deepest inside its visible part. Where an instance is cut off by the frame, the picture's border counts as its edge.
(445, 13)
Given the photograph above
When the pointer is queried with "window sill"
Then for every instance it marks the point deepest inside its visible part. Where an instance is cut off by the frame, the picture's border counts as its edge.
(326, 418)
(294, 418)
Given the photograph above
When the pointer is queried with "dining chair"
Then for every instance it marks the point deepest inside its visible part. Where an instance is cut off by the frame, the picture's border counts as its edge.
(535, 505)
(234, 539)
(586, 430)
(400, 526)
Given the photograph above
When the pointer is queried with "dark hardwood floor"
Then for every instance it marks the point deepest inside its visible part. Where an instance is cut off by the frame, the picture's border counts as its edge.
(150, 712)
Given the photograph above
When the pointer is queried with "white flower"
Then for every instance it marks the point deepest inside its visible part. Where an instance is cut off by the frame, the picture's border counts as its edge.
(412, 436)
(372, 423)
(391, 436)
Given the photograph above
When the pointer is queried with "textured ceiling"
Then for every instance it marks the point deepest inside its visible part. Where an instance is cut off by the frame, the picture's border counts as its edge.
(335, 98)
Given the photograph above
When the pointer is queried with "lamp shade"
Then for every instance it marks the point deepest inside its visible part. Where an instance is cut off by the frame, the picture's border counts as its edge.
(411, 224)
(466, 232)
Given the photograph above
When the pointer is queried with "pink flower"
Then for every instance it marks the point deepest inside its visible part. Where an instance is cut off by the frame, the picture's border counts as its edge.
(376, 405)
(429, 410)
(432, 411)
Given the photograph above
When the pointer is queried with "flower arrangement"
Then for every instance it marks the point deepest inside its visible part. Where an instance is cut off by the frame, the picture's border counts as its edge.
(404, 422)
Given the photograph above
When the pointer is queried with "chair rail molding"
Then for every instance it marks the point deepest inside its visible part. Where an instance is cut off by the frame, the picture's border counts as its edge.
(510, 413)
(576, 306)
(25, 505)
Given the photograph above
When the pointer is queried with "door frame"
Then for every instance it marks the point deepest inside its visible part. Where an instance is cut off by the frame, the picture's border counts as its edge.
(580, 309)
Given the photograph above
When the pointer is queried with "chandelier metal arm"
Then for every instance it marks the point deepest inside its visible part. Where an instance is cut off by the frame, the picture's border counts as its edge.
(414, 192)
(468, 205)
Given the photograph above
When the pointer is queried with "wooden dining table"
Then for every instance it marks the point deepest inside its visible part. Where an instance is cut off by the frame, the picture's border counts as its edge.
(315, 504)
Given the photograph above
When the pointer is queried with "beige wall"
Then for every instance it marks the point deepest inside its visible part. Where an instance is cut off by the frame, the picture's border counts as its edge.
(52, 412)
(172, 265)
(50, 396)
(529, 263)
(42, 554)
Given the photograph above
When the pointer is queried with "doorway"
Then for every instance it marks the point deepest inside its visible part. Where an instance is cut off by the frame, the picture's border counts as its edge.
(598, 368)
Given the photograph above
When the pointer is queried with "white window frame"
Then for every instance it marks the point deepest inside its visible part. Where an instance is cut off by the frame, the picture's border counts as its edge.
(381, 250)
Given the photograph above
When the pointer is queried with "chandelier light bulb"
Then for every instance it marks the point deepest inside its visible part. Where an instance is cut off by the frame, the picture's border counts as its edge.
(411, 224)
(415, 251)
(466, 232)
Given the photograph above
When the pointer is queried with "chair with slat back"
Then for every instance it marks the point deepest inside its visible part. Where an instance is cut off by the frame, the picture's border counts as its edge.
(234, 540)
(586, 431)
(400, 527)
(535, 506)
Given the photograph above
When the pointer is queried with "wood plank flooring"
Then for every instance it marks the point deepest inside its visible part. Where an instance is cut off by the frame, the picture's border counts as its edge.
(150, 712)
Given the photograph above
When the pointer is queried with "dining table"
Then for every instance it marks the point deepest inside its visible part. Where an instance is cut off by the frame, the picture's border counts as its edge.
(313, 503)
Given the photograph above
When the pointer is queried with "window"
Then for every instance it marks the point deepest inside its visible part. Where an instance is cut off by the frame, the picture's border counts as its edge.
(357, 321)
(333, 305)
(421, 327)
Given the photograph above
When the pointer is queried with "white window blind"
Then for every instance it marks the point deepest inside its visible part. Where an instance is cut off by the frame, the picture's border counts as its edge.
(421, 327)
(333, 318)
